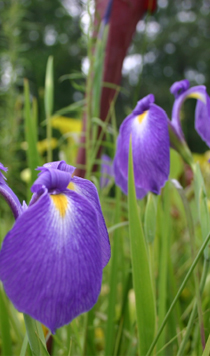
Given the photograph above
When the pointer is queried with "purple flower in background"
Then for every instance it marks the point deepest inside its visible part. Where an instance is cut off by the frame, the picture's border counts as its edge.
(52, 259)
(181, 92)
(106, 171)
(148, 127)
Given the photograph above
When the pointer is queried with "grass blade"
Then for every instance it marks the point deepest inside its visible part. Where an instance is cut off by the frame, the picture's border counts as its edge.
(145, 304)
(206, 352)
(24, 346)
(35, 340)
(48, 101)
(150, 219)
(6, 342)
(110, 326)
(30, 134)
(163, 266)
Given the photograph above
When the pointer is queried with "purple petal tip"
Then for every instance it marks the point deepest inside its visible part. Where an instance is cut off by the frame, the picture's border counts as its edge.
(5, 169)
(179, 87)
(144, 104)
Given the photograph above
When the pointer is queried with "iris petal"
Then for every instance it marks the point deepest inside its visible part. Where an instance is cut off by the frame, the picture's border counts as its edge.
(202, 119)
(179, 87)
(150, 145)
(60, 165)
(51, 179)
(88, 190)
(202, 113)
(50, 264)
(122, 182)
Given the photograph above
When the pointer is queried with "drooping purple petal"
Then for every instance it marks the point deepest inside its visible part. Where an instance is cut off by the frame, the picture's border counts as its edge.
(50, 262)
(51, 179)
(182, 92)
(9, 195)
(147, 126)
(2, 177)
(179, 87)
(143, 105)
(202, 119)
(87, 189)
(60, 165)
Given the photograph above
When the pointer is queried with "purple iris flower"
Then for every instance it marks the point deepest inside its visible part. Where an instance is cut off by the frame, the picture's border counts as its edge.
(148, 127)
(181, 92)
(52, 259)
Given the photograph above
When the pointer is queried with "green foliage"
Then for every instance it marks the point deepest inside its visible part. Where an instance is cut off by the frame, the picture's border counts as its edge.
(149, 298)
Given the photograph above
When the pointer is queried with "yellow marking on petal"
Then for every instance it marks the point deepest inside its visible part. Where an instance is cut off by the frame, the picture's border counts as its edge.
(142, 116)
(60, 202)
(197, 96)
(71, 186)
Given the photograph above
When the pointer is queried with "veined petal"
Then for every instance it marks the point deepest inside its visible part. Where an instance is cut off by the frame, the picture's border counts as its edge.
(87, 189)
(150, 145)
(50, 262)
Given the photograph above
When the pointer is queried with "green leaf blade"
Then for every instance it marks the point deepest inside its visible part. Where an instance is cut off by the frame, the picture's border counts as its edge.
(49, 88)
(145, 304)
(30, 134)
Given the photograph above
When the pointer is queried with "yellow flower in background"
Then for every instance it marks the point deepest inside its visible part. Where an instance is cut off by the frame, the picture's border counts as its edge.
(203, 160)
(43, 145)
(71, 129)
(25, 175)
(66, 125)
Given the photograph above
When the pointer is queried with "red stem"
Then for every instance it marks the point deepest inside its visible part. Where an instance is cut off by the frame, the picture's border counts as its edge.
(124, 18)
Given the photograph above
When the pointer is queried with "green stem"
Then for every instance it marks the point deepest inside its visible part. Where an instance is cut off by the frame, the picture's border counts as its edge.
(194, 310)
(196, 278)
(6, 343)
(207, 348)
(178, 294)
(35, 335)
(24, 346)
(163, 266)
(49, 140)
(110, 327)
